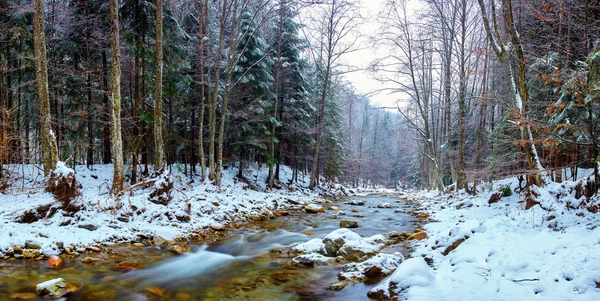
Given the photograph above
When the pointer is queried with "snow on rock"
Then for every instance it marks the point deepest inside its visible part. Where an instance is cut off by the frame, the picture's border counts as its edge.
(314, 208)
(412, 273)
(54, 288)
(336, 239)
(314, 245)
(343, 242)
(311, 260)
(376, 266)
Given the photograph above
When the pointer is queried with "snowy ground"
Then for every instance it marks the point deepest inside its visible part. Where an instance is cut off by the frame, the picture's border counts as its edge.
(508, 253)
(124, 219)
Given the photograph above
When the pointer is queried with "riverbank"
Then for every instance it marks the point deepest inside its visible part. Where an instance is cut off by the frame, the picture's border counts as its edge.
(33, 226)
(488, 247)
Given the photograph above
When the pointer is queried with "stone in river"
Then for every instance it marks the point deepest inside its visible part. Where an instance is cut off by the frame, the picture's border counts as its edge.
(348, 224)
(314, 208)
(54, 288)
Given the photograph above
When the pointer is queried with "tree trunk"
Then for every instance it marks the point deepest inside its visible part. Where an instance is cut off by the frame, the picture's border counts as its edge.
(212, 118)
(202, 34)
(106, 142)
(49, 146)
(230, 65)
(117, 143)
(159, 151)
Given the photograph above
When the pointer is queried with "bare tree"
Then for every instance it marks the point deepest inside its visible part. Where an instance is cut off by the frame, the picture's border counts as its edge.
(508, 49)
(336, 22)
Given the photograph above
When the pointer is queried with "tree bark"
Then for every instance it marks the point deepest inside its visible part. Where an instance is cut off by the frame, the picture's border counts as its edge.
(202, 36)
(159, 156)
(49, 146)
(117, 143)
(106, 157)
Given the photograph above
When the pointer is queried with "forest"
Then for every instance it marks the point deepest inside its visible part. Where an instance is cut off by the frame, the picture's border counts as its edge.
(483, 89)
(290, 149)
(203, 85)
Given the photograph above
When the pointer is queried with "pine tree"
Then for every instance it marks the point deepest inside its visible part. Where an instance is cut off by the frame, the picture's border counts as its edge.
(252, 81)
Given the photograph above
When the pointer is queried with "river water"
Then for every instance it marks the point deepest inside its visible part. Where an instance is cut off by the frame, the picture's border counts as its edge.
(249, 264)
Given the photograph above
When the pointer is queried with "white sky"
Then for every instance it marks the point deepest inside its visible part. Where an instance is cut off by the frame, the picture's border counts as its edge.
(362, 80)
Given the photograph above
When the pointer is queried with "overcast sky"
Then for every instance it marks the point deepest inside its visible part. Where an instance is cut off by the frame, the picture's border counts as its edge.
(362, 80)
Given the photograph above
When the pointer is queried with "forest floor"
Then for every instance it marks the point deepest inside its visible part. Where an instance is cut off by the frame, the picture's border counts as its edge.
(477, 250)
(29, 218)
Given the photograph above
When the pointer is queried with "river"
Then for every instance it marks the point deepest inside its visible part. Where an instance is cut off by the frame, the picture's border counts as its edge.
(246, 264)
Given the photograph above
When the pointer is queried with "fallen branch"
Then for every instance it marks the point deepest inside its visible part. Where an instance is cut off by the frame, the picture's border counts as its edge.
(526, 279)
(140, 184)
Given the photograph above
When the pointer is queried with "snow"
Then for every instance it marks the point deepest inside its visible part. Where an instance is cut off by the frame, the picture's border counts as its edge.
(314, 245)
(203, 203)
(550, 252)
(386, 262)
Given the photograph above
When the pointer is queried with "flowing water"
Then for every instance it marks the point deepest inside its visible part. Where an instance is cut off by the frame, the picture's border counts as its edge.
(250, 264)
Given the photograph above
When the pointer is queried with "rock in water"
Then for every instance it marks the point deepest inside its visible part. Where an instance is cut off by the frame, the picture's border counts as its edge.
(385, 205)
(55, 262)
(356, 202)
(54, 288)
(314, 208)
(348, 224)
(180, 249)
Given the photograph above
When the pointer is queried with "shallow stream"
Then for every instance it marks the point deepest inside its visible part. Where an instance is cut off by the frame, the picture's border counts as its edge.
(247, 264)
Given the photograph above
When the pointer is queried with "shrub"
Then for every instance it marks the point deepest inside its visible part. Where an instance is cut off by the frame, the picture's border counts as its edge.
(506, 191)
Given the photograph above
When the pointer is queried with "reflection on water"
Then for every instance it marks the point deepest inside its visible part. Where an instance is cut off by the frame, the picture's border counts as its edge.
(244, 267)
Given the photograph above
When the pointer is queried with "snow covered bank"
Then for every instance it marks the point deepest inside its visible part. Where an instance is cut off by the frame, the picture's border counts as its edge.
(500, 251)
(194, 208)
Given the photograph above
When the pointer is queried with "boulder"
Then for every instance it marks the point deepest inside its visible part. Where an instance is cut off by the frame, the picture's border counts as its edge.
(311, 260)
(336, 239)
(55, 262)
(54, 288)
(31, 253)
(348, 224)
(180, 248)
(418, 236)
(314, 208)
(356, 202)
(376, 266)
(30, 244)
(385, 205)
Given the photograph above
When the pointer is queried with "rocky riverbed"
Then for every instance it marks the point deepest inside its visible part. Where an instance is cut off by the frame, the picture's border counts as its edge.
(296, 256)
